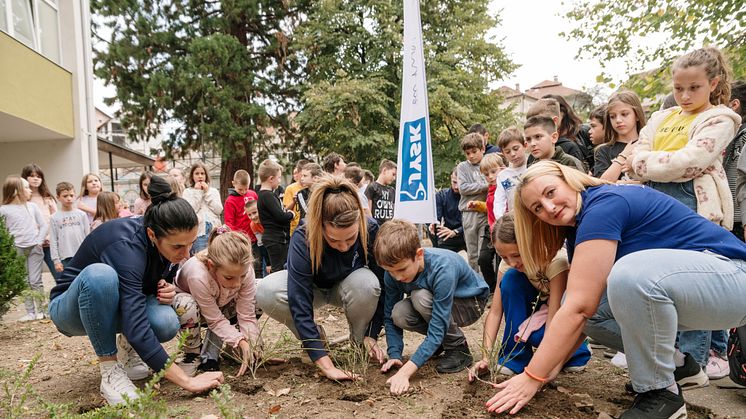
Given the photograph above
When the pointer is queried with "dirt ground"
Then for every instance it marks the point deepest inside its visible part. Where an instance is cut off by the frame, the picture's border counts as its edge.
(67, 372)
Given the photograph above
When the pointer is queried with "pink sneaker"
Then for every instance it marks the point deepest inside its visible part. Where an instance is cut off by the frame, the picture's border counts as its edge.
(717, 366)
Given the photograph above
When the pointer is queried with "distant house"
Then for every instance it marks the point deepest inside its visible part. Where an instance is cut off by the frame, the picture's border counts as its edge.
(578, 99)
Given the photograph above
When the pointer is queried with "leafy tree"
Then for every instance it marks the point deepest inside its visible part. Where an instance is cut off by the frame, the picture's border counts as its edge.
(610, 30)
(217, 72)
(12, 269)
(351, 96)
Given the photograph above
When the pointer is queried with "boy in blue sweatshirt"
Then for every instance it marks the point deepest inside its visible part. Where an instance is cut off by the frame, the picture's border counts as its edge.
(444, 293)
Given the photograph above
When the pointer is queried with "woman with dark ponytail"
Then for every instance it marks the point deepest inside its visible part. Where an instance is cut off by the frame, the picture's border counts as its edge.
(121, 280)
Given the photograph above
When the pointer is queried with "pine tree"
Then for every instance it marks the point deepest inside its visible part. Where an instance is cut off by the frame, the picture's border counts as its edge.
(12, 269)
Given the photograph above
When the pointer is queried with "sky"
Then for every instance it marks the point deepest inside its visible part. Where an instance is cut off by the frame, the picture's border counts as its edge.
(527, 27)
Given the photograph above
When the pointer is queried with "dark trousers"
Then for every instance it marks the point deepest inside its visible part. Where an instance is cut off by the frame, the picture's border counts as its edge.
(277, 248)
(488, 260)
(454, 244)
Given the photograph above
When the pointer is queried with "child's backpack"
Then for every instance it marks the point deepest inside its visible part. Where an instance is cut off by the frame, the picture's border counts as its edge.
(737, 355)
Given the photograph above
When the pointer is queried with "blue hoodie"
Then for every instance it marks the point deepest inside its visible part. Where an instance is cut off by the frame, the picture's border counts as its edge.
(123, 244)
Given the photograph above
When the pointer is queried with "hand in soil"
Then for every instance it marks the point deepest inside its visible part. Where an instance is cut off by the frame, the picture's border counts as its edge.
(374, 351)
(479, 368)
(399, 383)
(247, 357)
(514, 394)
(391, 363)
(204, 382)
(336, 374)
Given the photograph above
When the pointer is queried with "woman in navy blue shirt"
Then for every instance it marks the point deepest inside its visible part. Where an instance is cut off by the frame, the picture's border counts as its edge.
(330, 261)
(643, 266)
(121, 280)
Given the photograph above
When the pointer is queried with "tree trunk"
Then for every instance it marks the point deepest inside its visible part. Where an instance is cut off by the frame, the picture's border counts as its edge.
(240, 158)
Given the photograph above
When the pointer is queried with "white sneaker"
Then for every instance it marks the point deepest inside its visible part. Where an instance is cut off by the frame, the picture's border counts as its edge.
(41, 316)
(189, 364)
(717, 366)
(619, 360)
(506, 371)
(28, 318)
(115, 384)
(133, 364)
(575, 369)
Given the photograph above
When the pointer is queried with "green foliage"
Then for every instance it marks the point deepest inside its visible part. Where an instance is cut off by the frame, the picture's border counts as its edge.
(352, 91)
(217, 74)
(609, 30)
(16, 392)
(12, 270)
(223, 398)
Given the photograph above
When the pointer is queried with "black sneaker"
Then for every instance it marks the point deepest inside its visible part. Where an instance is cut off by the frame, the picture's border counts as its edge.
(209, 365)
(690, 375)
(454, 360)
(657, 404)
(438, 351)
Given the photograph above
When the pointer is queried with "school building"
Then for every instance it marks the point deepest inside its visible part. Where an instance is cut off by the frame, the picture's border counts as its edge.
(46, 96)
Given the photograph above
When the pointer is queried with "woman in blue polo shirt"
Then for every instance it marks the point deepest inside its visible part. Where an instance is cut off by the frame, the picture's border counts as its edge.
(121, 280)
(643, 266)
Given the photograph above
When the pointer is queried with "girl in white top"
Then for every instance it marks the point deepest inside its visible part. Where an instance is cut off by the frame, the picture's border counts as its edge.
(25, 222)
(206, 203)
(44, 199)
(90, 187)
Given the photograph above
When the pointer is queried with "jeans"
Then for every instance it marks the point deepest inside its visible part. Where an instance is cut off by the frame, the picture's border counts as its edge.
(682, 192)
(677, 290)
(50, 264)
(358, 294)
(34, 262)
(414, 314)
(487, 256)
(695, 342)
(201, 242)
(518, 298)
(90, 307)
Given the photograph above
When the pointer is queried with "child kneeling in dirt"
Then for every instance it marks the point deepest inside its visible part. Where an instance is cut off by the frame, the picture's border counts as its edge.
(444, 294)
(529, 302)
(215, 285)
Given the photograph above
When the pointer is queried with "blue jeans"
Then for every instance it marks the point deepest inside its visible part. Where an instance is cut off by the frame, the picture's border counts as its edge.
(518, 297)
(201, 242)
(50, 264)
(90, 307)
(676, 290)
(695, 342)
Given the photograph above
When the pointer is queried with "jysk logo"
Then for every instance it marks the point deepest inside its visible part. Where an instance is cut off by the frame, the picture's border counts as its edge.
(414, 162)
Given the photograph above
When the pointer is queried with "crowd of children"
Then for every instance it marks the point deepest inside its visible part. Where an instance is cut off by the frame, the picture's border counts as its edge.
(329, 238)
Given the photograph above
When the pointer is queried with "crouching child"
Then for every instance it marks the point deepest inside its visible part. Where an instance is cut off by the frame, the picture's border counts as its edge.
(443, 294)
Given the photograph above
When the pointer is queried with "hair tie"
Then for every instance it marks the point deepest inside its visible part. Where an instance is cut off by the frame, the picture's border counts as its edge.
(222, 229)
(334, 190)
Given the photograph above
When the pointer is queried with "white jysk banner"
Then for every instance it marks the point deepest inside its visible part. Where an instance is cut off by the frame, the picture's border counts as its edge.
(415, 186)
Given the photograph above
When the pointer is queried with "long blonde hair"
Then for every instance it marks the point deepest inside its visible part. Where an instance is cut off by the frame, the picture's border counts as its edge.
(13, 189)
(538, 242)
(334, 201)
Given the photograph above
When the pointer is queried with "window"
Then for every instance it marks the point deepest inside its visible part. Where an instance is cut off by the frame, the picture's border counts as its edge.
(34, 23)
(22, 22)
(49, 30)
(3, 16)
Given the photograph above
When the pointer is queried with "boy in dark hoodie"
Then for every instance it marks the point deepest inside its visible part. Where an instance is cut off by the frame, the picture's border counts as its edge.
(233, 210)
(541, 138)
(550, 108)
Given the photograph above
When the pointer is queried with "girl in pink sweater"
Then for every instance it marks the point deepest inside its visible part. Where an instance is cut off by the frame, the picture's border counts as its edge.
(217, 287)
